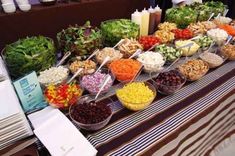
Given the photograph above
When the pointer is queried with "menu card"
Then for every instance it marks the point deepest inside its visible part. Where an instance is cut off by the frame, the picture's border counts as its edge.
(30, 93)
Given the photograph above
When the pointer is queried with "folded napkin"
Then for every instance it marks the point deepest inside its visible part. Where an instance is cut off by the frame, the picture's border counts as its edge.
(62, 138)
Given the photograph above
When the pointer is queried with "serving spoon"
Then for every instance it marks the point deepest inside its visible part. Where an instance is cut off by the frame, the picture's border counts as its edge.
(66, 55)
(212, 14)
(75, 75)
(104, 83)
(106, 59)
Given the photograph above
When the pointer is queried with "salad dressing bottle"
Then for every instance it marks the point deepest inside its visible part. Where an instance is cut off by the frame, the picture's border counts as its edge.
(145, 23)
(136, 17)
(158, 16)
(152, 21)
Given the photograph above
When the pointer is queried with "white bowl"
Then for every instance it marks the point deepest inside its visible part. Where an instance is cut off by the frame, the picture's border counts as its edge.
(22, 2)
(25, 7)
(9, 7)
(6, 1)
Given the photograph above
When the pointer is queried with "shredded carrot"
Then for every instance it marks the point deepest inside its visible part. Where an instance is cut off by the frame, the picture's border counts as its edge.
(125, 69)
(228, 28)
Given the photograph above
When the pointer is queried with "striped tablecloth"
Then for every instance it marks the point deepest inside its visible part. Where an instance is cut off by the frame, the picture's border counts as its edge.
(191, 122)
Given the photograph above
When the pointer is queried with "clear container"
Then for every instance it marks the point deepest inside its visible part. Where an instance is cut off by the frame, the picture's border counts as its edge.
(167, 89)
(95, 126)
(194, 76)
(210, 62)
(103, 71)
(73, 100)
(139, 106)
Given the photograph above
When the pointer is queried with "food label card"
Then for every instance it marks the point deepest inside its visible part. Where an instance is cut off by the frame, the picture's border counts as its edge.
(30, 93)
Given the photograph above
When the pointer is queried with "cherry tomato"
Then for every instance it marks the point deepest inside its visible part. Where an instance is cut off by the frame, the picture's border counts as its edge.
(148, 41)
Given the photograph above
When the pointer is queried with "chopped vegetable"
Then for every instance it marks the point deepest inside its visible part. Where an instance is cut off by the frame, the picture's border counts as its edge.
(111, 52)
(53, 75)
(93, 82)
(218, 35)
(64, 95)
(182, 33)
(204, 41)
(148, 41)
(125, 69)
(152, 61)
(228, 28)
(168, 52)
(136, 93)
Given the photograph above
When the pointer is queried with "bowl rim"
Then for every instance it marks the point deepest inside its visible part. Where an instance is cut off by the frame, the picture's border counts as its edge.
(150, 86)
(82, 124)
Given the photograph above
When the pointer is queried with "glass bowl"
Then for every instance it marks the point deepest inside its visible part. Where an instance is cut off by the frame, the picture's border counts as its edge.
(54, 82)
(124, 77)
(155, 66)
(190, 73)
(93, 86)
(138, 106)
(167, 89)
(73, 66)
(212, 62)
(94, 126)
(228, 51)
(52, 95)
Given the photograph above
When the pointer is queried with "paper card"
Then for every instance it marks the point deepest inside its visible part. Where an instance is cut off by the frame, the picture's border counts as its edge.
(30, 93)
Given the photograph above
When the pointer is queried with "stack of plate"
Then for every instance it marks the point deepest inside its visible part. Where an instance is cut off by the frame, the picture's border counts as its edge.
(13, 123)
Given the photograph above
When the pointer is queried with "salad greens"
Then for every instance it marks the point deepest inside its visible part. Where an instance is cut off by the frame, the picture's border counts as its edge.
(29, 54)
(115, 30)
(206, 9)
(80, 40)
(182, 16)
(185, 15)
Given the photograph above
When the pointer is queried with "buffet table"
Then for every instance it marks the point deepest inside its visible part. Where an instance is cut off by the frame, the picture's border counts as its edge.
(191, 122)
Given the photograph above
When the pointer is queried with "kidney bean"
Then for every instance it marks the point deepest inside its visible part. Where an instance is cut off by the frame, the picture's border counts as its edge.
(90, 113)
(169, 82)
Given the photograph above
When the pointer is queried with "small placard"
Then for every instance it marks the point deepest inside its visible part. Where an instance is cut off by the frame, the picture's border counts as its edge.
(30, 93)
